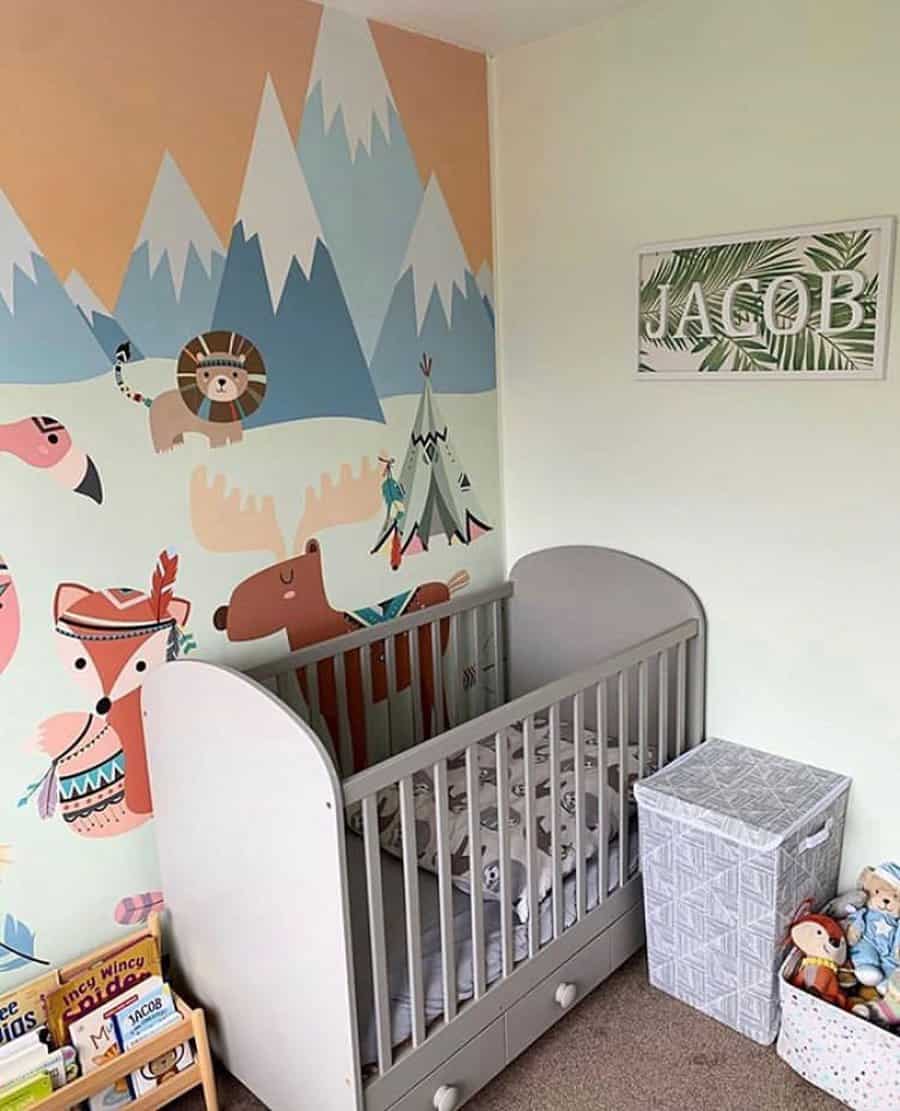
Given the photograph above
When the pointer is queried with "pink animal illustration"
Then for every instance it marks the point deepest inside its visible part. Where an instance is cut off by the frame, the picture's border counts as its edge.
(44, 443)
(10, 620)
(109, 640)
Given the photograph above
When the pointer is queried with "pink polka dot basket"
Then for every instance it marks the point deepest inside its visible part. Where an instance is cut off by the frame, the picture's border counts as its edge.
(854, 1060)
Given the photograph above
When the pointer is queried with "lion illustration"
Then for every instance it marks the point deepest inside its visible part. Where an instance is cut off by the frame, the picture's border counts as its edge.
(221, 380)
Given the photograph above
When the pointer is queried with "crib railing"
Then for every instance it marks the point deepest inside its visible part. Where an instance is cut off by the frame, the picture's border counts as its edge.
(640, 710)
(382, 689)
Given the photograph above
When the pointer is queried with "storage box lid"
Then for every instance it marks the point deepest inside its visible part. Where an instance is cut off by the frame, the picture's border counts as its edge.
(750, 796)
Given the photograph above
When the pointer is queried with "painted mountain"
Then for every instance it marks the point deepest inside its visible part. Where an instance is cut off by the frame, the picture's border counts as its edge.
(485, 282)
(172, 281)
(280, 289)
(43, 336)
(436, 308)
(105, 328)
(360, 169)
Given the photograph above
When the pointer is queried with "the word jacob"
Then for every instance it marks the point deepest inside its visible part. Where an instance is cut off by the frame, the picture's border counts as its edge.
(808, 302)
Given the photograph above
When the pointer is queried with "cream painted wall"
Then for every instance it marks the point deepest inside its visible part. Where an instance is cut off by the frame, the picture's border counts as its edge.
(778, 501)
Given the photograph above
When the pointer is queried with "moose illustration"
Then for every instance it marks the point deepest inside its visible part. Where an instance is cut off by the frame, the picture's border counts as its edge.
(289, 595)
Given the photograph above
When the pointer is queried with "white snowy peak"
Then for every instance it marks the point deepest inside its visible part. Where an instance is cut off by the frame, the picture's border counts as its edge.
(16, 249)
(83, 297)
(174, 220)
(348, 67)
(275, 201)
(485, 282)
(435, 254)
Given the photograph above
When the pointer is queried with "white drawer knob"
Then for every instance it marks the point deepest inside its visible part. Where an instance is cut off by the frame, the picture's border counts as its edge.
(446, 1098)
(565, 995)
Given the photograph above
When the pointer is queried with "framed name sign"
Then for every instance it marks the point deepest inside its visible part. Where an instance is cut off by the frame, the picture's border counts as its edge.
(797, 303)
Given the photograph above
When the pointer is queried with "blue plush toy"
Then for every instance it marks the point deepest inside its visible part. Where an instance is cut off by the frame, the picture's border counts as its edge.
(873, 930)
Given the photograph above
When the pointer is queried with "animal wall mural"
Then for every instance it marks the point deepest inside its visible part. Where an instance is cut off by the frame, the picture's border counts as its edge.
(44, 443)
(289, 595)
(10, 618)
(109, 640)
(233, 293)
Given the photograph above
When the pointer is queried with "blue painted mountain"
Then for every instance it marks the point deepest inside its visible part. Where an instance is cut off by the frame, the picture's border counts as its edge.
(45, 339)
(105, 328)
(438, 308)
(463, 352)
(361, 172)
(314, 364)
(172, 282)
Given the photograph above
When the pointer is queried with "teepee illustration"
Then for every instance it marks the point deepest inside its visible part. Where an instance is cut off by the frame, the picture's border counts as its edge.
(434, 493)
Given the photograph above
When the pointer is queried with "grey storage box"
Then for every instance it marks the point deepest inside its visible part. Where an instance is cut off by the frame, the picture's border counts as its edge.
(732, 842)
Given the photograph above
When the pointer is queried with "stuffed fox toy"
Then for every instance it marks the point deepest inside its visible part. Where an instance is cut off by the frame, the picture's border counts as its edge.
(824, 948)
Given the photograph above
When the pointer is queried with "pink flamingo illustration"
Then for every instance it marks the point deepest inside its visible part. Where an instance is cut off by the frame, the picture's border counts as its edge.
(45, 443)
(10, 621)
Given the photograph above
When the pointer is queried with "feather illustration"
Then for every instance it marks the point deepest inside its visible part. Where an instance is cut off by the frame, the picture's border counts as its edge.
(16, 945)
(48, 796)
(134, 910)
(162, 585)
(57, 736)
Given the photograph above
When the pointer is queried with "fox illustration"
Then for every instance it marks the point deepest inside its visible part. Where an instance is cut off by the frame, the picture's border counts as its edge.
(109, 641)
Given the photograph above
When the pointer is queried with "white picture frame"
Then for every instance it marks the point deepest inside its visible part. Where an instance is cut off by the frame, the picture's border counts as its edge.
(861, 353)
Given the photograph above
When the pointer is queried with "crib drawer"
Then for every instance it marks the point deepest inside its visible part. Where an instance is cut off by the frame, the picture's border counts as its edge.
(626, 936)
(468, 1070)
(568, 985)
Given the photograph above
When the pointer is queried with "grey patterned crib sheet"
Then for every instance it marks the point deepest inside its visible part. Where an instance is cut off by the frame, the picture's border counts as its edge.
(457, 799)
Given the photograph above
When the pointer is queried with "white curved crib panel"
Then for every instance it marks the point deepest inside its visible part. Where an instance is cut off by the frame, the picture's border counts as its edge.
(251, 842)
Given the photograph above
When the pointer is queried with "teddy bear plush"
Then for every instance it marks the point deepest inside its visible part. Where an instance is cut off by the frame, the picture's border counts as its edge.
(886, 1012)
(824, 948)
(873, 930)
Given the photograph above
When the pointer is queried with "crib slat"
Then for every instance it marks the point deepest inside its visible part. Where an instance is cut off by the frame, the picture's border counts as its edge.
(372, 847)
(344, 742)
(437, 671)
(445, 891)
(365, 664)
(390, 667)
(501, 752)
(415, 686)
(580, 819)
(643, 712)
(312, 688)
(602, 790)
(476, 893)
(287, 687)
(499, 661)
(680, 695)
(555, 804)
(478, 696)
(623, 775)
(451, 672)
(663, 699)
(531, 869)
(413, 917)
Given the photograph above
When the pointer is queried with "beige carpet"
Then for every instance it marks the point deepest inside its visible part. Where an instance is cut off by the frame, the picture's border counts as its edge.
(626, 1048)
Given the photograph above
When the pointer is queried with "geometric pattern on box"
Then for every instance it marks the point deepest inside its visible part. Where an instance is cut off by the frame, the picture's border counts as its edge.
(729, 852)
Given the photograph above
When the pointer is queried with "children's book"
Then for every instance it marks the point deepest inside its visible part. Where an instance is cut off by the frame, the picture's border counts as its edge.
(149, 1013)
(101, 982)
(15, 1066)
(25, 1008)
(94, 1037)
(25, 1093)
(61, 1065)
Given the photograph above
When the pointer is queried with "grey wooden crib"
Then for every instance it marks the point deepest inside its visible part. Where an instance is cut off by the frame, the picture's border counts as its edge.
(381, 901)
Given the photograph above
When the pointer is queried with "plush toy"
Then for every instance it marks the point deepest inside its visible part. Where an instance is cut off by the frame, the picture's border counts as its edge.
(873, 931)
(824, 948)
(886, 1012)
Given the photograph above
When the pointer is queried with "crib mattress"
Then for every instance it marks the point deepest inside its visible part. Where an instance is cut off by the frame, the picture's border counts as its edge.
(395, 935)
